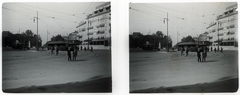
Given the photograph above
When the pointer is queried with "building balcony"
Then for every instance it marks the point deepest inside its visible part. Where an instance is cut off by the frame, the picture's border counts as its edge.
(91, 27)
(102, 25)
(231, 33)
(221, 28)
(232, 26)
(214, 30)
(83, 29)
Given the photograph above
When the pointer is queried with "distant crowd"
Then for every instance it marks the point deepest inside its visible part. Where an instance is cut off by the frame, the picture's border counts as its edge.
(201, 52)
(72, 51)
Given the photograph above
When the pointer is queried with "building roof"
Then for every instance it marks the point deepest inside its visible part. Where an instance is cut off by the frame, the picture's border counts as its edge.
(189, 43)
(56, 42)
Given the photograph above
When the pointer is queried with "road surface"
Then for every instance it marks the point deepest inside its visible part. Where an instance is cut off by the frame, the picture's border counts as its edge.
(32, 68)
(150, 69)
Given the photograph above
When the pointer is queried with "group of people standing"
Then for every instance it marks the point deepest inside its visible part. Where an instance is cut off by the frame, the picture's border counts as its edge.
(72, 53)
(56, 48)
(202, 54)
(186, 49)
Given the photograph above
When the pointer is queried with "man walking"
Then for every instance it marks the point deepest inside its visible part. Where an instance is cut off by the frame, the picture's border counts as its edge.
(69, 53)
(199, 55)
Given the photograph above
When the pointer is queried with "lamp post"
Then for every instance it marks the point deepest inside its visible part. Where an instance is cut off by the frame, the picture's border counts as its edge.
(88, 32)
(218, 34)
(167, 32)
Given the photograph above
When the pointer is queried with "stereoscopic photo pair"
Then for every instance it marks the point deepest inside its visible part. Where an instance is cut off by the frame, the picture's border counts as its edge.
(67, 47)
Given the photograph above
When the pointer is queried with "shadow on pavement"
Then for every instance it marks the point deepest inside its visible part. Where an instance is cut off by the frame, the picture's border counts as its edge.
(211, 60)
(98, 85)
(81, 60)
(226, 85)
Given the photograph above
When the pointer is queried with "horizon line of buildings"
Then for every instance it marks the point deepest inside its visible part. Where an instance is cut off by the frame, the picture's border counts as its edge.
(223, 31)
(95, 30)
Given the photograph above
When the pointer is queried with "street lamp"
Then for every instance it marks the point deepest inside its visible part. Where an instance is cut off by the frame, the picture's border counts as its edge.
(167, 32)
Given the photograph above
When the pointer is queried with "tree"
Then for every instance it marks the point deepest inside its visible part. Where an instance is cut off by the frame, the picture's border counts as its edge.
(29, 33)
(187, 39)
(57, 38)
(159, 34)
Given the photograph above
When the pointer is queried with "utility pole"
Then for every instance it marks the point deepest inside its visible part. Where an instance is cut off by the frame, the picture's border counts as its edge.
(37, 32)
(218, 34)
(177, 37)
(167, 31)
(167, 34)
(88, 33)
(47, 35)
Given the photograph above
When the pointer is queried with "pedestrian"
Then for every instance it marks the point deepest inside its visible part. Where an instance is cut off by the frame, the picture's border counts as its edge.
(75, 53)
(181, 51)
(52, 48)
(85, 49)
(57, 49)
(205, 56)
(211, 49)
(215, 49)
(91, 49)
(199, 55)
(69, 53)
(187, 51)
(202, 56)
(221, 49)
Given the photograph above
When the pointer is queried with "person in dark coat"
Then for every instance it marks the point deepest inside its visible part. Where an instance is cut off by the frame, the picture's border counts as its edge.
(52, 48)
(57, 50)
(187, 50)
(204, 55)
(181, 51)
(85, 48)
(75, 53)
(91, 49)
(69, 53)
(199, 55)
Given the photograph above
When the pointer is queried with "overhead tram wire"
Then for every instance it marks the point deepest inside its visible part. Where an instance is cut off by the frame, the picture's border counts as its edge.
(217, 8)
(16, 11)
(169, 20)
(150, 6)
(183, 12)
(45, 23)
(175, 16)
(41, 13)
(88, 7)
(48, 10)
(58, 23)
(144, 12)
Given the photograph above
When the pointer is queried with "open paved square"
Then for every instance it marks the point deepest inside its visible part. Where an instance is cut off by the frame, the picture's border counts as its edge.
(31, 68)
(150, 69)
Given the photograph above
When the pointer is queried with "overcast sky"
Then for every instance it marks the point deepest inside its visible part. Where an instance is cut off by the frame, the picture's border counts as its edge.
(184, 18)
(56, 18)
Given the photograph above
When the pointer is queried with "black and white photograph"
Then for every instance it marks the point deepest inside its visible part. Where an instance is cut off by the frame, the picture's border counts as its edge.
(56, 47)
(183, 47)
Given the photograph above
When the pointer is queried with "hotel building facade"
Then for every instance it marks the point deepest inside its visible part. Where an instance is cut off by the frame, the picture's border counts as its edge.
(224, 31)
(95, 31)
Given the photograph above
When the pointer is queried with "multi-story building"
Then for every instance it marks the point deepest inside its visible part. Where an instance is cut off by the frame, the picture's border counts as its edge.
(212, 32)
(96, 29)
(224, 31)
